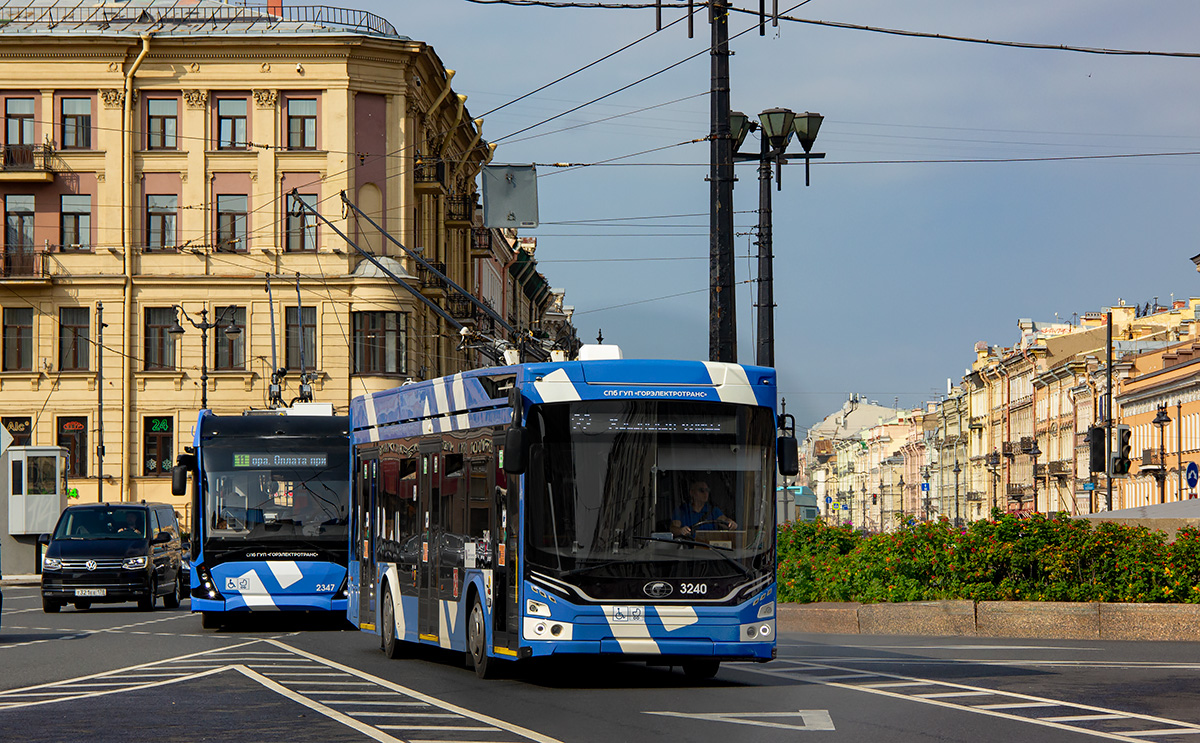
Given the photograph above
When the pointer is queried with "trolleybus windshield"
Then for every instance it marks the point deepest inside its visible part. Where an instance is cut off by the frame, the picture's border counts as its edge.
(612, 484)
(268, 489)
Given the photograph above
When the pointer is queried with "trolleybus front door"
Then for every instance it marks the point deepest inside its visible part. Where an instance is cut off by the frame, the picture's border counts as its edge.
(431, 510)
(368, 500)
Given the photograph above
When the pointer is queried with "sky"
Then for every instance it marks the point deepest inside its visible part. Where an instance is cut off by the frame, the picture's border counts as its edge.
(900, 256)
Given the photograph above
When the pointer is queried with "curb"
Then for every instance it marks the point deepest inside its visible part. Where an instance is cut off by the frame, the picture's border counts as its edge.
(1029, 619)
(21, 580)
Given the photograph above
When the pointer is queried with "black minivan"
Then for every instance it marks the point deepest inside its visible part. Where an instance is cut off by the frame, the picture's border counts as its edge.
(113, 552)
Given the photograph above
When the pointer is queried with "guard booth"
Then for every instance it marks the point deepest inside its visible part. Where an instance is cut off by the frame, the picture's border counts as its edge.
(33, 492)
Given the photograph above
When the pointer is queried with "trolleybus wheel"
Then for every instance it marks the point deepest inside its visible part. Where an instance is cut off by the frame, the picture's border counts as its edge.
(173, 599)
(387, 616)
(485, 667)
(701, 668)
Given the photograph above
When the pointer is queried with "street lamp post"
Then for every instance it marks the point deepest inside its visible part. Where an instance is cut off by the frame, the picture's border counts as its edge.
(925, 477)
(231, 330)
(993, 465)
(777, 126)
(957, 469)
(901, 497)
(1161, 420)
(1035, 452)
(882, 500)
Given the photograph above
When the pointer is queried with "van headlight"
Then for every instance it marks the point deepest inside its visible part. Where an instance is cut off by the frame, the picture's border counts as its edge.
(51, 563)
(133, 563)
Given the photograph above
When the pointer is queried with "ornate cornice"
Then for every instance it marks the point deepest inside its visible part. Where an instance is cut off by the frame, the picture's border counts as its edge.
(264, 98)
(196, 98)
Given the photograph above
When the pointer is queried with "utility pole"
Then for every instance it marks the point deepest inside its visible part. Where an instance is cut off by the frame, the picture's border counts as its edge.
(722, 331)
(100, 401)
(1108, 411)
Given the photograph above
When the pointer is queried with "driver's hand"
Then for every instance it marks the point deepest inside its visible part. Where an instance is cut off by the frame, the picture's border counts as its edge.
(730, 524)
(686, 531)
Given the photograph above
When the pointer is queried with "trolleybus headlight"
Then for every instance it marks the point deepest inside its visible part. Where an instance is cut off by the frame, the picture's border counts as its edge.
(539, 628)
(556, 630)
(766, 610)
(765, 631)
(537, 609)
(751, 632)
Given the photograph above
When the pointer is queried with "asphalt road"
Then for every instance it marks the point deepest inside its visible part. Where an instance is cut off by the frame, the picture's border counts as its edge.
(117, 674)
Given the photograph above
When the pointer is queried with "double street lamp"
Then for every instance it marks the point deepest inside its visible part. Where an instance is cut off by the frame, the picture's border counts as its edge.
(231, 331)
(1035, 452)
(777, 126)
(1161, 420)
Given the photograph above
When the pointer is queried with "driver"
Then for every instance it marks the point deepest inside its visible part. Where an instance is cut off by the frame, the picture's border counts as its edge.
(133, 525)
(698, 514)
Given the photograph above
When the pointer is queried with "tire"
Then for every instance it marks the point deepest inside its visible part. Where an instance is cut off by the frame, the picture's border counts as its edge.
(174, 599)
(50, 606)
(387, 617)
(485, 666)
(210, 620)
(83, 605)
(146, 603)
(701, 668)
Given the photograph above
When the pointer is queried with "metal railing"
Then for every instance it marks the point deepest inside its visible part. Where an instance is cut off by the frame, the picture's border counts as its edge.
(460, 208)
(23, 263)
(428, 278)
(32, 157)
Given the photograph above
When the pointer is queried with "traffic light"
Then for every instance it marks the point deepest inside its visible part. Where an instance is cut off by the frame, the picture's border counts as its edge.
(1097, 450)
(1123, 450)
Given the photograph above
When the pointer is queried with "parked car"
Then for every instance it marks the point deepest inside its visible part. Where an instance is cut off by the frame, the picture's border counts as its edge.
(113, 552)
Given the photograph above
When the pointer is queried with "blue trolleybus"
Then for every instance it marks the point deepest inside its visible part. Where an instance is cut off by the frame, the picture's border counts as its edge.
(269, 512)
(614, 508)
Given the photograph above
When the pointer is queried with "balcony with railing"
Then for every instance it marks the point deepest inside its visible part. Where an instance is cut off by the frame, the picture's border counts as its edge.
(428, 279)
(429, 175)
(460, 210)
(459, 307)
(1151, 460)
(22, 262)
(27, 163)
(481, 241)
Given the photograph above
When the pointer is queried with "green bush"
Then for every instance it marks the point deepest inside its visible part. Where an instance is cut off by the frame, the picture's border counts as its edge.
(1038, 558)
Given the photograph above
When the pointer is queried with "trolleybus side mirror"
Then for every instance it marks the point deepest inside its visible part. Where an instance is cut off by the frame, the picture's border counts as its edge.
(787, 453)
(516, 450)
(179, 473)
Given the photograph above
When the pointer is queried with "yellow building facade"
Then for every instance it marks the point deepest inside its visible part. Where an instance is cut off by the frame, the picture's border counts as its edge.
(161, 165)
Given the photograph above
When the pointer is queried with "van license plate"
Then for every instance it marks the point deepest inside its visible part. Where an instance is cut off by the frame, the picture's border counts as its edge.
(89, 591)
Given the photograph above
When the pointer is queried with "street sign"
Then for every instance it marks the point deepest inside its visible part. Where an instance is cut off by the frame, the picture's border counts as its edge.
(1089, 486)
(924, 487)
(829, 499)
(1192, 474)
(6, 439)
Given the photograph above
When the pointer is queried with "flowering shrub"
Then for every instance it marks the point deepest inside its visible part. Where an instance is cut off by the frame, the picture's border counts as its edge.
(1039, 558)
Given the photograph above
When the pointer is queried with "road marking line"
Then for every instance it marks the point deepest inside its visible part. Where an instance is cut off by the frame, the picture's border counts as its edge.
(811, 719)
(1021, 705)
(948, 694)
(107, 692)
(1084, 718)
(435, 727)
(1184, 728)
(368, 730)
(1139, 733)
(890, 684)
(438, 715)
(389, 703)
(414, 694)
(330, 683)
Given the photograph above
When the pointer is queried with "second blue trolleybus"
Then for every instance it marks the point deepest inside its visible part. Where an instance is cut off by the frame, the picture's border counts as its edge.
(619, 508)
(270, 503)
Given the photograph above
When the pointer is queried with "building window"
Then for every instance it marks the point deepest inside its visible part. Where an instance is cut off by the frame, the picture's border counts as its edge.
(158, 445)
(302, 123)
(72, 435)
(20, 427)
(18, 235)
(379, 342)
(163, 120)
(231, 124)
(161, 213)
(76, 229)
(297, 330)
(18, 339)
(76, 119)
(160, 343)
(301, 224)
(73, 329)
(231, 223)
(231, 350)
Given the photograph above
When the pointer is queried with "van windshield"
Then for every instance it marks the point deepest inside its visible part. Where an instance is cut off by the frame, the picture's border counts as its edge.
(102, 523)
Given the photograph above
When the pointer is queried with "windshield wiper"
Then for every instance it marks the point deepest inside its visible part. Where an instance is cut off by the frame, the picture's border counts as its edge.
(588, 568)
(720, 550)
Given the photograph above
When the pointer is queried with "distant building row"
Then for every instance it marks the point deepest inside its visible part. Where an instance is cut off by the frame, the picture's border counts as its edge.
(1013, 434)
